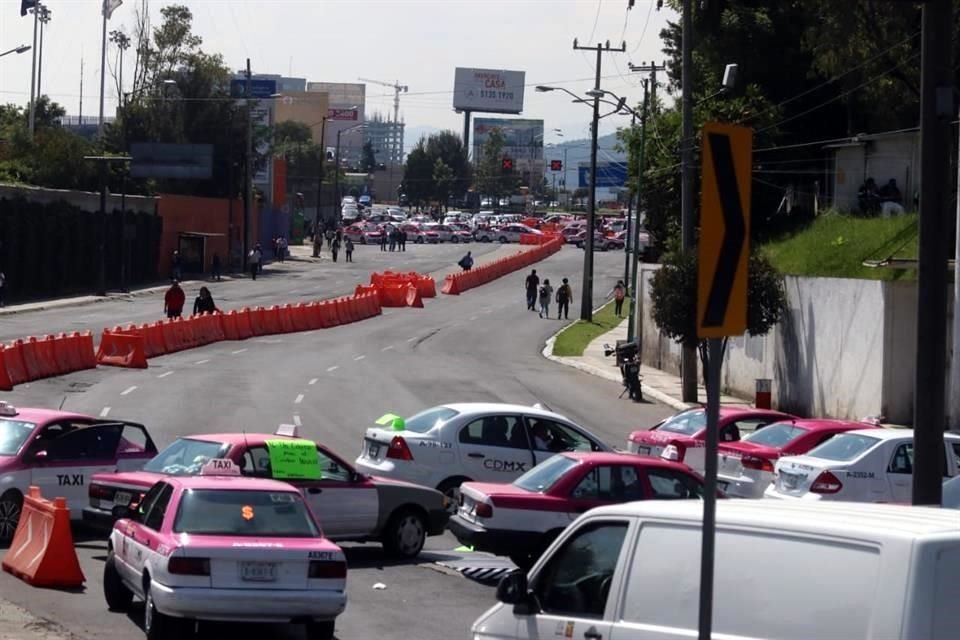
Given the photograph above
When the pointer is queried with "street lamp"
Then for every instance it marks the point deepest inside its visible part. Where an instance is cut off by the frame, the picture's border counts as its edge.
(21, 49)
(44, 18)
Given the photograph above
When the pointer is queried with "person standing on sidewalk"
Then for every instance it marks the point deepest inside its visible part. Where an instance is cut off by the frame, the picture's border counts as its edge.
(348, 248)
(384, 230)
(403, 240)
(564, 296)
(335, 248)
(532, 284)
(204, 303)
(215, 264)
(619, 293)
(546, 293)
(173, 300)
(3, 285)
(175, 266)
(253, 261)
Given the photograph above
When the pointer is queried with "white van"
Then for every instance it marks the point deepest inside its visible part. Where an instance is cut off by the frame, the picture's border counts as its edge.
(784, 571)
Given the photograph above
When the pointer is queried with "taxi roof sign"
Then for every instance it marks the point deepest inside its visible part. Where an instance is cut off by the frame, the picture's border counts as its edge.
(220, 467)
(7, 409)
(393, 420)
(287, 430)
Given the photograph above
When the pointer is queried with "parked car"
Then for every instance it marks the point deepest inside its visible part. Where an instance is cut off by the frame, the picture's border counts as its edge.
(228, 549)
(782, 572)
(415, 232)
(521, 519)
(685, 432)
(364, 233)
(870, 465)
(436, 233)
(510, 232)
(446, 445)
(460, 232)
(746, 467)
(350, 505)
(601, 242)
(365, 201)
(58, 452)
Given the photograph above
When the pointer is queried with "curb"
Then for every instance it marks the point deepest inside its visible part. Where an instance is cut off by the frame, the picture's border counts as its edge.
(575, 363)
(85, 301)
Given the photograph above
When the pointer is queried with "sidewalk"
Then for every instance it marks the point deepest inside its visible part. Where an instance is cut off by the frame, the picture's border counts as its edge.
(18, 624)
(656, 384)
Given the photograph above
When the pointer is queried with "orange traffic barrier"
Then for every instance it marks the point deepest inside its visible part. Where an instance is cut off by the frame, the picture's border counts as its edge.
(62, 346)
(451, 285)
(5, 383)
(31, 358)
(325, 316)
(171, 337)
(269, 320)
(153, 339)
(427, 287)
(88, 357)
(413, 297)
(16, 367)
(188, 329)
(121, 350)
(244, 327)
(256, 321)
(302, 316)
(42, 552)
(229, 322)
(363, 289)
(286, 319)
(393, 295)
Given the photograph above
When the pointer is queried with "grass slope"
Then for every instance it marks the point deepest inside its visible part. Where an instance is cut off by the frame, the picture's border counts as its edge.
(577, 336)
(836, 245)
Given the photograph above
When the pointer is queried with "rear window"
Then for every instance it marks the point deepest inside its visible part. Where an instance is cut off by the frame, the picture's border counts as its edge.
(843, 447)
(687, 423)
(426, 420)
(227, 512)
(543, 476)
(185, 457)
(776, 435)
(13, 433)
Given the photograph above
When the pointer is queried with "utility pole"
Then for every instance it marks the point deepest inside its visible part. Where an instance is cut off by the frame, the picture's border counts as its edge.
(316, 218)
(248, 169)
(688, 360)
(586, 301)
(44, 18)
(936, 111)
(32, 119)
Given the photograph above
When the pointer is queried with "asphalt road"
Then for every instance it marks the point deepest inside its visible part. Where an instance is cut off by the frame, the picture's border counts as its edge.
(481, 346)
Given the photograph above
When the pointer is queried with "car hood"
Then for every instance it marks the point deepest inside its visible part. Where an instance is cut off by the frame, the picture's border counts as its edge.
(749, 448)
(479, 490)
(139, 479)
(663, 437)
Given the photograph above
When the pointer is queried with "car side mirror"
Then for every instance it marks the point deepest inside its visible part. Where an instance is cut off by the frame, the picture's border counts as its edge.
(513, 589)
(40, 455)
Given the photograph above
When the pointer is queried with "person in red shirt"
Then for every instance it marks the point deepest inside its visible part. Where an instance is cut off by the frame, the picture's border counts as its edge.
(173, 300)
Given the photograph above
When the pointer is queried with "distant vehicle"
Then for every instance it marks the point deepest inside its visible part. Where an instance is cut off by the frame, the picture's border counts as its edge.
(437, 232)
(486, 202)
(415, 232)
(348, 200)
(506, 233)
(397, 214)
(601, 242)
(365, 201)
(504, 202)
(364, 233)
(461, 232)
(350, 214)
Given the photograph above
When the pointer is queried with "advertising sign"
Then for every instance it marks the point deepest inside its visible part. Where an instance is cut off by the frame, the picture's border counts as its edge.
(609, 174)
(260, 89)
(342, 114)
(159, 160)
(263, 119)
(523, 139)
(488, 90)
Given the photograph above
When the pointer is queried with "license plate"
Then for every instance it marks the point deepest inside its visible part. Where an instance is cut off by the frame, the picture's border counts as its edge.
(258, 571)
(122, 498)
(789, 480)
(644, 451)
(373, 449)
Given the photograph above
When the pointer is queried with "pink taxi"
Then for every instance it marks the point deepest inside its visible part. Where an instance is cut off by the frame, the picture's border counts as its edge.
(682, 437)
(521, 519)
(350, 505)
(225, 548)
(59, 451)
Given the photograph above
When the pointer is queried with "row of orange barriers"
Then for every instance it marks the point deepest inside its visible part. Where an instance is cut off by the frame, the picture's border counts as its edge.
(37, 358)
(456, 283)
(539, 238)
(426, 286)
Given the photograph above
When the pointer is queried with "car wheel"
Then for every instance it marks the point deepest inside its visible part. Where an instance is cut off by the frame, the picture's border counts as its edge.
(419, 240)
(451, 489)
(320, 630)
(156, 626)
(455, 240)
(117, 595)
(503, 239)
(11, 505)
(405, 534)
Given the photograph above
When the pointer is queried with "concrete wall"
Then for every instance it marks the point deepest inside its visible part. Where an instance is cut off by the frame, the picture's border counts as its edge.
(881, 157)
(190, 214)
(84, 200)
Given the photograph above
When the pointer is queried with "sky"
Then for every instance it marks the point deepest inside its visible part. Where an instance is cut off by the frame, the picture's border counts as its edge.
(415, 42)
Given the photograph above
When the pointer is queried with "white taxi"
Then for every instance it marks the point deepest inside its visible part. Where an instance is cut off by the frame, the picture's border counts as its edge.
(447, 445)
(868, 465)
(224, 547)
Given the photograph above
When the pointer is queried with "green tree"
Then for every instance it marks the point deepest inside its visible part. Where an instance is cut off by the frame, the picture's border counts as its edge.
(368, 160)
(673, 295)
(418, 182)
(492, 179)
(448, 147)
(443, 180)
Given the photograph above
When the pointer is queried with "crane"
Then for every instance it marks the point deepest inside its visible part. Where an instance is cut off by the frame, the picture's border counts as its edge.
(397, 90)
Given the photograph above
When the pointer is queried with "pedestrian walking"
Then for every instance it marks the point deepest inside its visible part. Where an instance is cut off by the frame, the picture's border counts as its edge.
(403, 240)
(546, 293)
(3, 287)
(204, 303)
(348, 248)
(532, 283)
(564, 296)
(383, 237)
(215, 264)
(253, 261)
(281, 248)
(393, 238)
(173, 300)
(259, 258)
(619, 293)
(466, 262)
(335, 248)
(175, 266)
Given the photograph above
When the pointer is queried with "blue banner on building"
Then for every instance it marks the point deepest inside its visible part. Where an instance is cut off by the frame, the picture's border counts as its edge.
(609, 174)
(259, 88)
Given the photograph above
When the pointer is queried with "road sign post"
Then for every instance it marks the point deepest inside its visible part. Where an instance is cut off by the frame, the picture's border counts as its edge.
(723, 259)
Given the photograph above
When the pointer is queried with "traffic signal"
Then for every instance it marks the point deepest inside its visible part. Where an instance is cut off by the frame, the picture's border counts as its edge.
(556, 165)
(507, 164)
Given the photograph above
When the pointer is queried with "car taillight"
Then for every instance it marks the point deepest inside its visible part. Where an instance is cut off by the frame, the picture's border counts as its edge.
(826, 482)
(189, 566)
(758, 463)
(399, 450)
(484, 510)
(99, 492)
(326, 570)
(675, 452)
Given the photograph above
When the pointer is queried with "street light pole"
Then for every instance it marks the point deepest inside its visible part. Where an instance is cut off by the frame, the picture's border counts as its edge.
(21, 49)
(634, 279)
(44, 18)
(586, 301)
(688, 359)
(316, 217)
(33, 76)
(248, 169)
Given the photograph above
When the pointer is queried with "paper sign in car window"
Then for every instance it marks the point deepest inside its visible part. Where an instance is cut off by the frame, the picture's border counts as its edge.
(294, 459)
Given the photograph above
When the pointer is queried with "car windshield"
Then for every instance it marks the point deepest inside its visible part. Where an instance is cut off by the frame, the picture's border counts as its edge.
(687, 423)
(776, 435)
(428, 419)
(185, 457)
(13, 433)
(232, 512)
(543, 476)
(843, 447)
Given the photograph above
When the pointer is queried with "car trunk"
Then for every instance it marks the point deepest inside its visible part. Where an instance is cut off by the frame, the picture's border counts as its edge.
(731, 455)
(259, 563)
(796, 474)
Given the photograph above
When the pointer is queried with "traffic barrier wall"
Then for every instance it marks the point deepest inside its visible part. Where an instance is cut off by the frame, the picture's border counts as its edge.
(5, 383)
(171, 336)
(16, 366)
(393, 295)
(244, 326)
(88, 356)
(270, 320)
(62, 347)
(154, 344)
(228, 321)
(286, 319)
(257, 321)
(300, 317)
(413, 296)
(42, 552)
(121, 350)
(456, 283)
(31, 359)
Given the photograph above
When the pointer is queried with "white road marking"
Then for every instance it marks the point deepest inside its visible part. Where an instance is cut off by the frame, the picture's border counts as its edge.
(238, 352)
(333, 368)
(411, 339)
(165, 374)
(201, 362)
(313, 381)
(128, 390)
(387, 348)
(104, 412)
(359, 358)
(299, 399)
(296, 421)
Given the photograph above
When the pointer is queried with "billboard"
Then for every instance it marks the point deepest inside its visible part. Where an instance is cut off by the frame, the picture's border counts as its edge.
(343, 114)
(259, 88)
(488, 90)
(159, 160)
(609, 174)
(523, 139)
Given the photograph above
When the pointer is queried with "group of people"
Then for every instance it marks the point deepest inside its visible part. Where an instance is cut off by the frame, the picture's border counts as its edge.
(885, 200)
(280, 248)
(543, 293)
(175, 298)
(393, 237)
